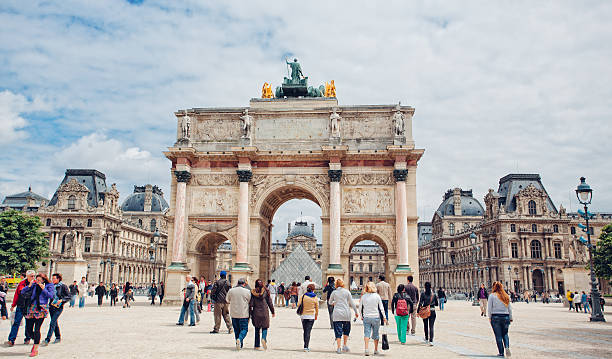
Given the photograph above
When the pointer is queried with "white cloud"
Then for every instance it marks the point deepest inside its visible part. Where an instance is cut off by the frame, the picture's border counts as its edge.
(11, 122)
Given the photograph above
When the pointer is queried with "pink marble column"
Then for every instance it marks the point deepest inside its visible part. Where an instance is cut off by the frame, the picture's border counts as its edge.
(401, 219)
(178, 245)
(242, 242)
(334, 219)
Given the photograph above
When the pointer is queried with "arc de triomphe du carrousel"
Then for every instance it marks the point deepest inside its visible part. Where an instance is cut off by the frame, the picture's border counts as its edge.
(232, 168)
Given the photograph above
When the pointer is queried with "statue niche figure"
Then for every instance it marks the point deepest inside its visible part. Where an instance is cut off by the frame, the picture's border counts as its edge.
(74, 245)
(334, 122)
(185, 127)
(398, 121)
(247, 121)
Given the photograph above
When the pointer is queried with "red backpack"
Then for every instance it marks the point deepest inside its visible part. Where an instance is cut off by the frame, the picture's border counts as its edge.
(401, 309)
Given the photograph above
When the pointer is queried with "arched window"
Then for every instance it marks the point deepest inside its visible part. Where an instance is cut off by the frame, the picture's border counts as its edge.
(48, 222)
(536, 249)
(89, 222)
(532, 207)
(153, 225)
(534, 228)
(513, 227)
(452, 244)
(451, 229)
(557, 250)
(87, 245)
(556, 228)
(72, 202)
(68, 222)
(140, 222)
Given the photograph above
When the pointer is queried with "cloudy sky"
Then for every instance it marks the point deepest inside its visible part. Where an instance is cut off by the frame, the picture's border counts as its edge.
(498, 87)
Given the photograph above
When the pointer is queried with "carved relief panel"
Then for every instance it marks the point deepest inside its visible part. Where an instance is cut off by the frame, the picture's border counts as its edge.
(368, 200)
(223, 130)
(214, 201)
(367, 128)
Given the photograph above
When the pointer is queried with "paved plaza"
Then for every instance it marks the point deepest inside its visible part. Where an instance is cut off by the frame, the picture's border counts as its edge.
(538, 331)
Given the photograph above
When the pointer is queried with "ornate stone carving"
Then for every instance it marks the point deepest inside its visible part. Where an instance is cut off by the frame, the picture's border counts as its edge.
(219, 201)
(368, 178)
(185, 127)
(262, 182)
(182, 176)
(214, 227)
(398, 122)
(400, 175)
(366, 200)
(244, 175)
(334, 175)
(211, 130)
(366, 128)
(72, 186)
(348, 231)
(334, 124)
(216, 180)
(247, 124)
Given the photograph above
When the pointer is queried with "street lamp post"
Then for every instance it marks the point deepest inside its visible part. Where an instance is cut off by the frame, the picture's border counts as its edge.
(475, 250)
(510, 275)
(430, 275)
(584, 194)
(152, 250)
(112, 266)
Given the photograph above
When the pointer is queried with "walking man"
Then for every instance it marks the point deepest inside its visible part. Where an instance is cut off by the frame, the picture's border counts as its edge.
(384, 291)
(21, 303)
(280, 295)
(74, 290)
(100, 292)
(188, 303)
(153, 293)
(82, 291)
(162, 290)
(218, 295)
(272, 289)
(413, 292)
(239, 298)
(56, 307)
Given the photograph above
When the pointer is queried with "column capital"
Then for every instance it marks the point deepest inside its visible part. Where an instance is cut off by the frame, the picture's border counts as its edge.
(334, 175)
(244, 175)
(400, 175)
(182, 176)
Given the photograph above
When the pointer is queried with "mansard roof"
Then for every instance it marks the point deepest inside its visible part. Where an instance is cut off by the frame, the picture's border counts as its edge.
(95, 181)
(511, 184)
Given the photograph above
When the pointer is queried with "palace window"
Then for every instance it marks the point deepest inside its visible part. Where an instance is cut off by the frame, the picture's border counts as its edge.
(452, 244)
(534, 228)
(370, 267)
(89, 222)
(451, 229)
(140, 222)
(514, 247)
(557, 250)
(452, 259)
(573, 230)
(153, 225)
(68, 222)
(87, 245)
(370, 279)
(556, 228)
(532, 207)
(360, 280)
(513, 227)
(352, 267)
(72, 202)
(536, 249)
(48, 222)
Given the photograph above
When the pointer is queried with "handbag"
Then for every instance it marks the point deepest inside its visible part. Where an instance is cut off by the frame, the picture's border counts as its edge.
(424, 311)
(385, 340)
(300, 308)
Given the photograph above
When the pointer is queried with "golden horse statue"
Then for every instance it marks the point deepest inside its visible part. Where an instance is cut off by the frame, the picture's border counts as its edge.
(266, 91)
(330, 89)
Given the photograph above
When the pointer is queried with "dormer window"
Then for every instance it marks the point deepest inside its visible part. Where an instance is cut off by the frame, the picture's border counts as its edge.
(72, 202)
(532, 207)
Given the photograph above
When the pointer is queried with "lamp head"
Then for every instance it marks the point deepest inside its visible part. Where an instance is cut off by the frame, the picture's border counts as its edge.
(156, 235)
(584, 192)
(473, 237)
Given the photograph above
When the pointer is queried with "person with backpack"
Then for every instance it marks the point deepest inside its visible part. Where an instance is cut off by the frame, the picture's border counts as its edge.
(341, 301)
(218, 295)
(427, 311)
(401, 306)
(20, 305)
(570, 298)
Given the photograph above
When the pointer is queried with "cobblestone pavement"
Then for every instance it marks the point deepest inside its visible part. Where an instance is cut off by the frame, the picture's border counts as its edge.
(538, 331)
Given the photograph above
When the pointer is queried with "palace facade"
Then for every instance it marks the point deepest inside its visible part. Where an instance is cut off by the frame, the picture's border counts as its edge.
(521, 239)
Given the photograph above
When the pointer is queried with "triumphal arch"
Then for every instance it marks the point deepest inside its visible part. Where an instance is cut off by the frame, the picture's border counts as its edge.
(232, 168)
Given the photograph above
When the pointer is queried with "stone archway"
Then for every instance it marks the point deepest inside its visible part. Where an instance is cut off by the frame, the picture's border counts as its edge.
(366, 233)
(538, 280)
(233, 167)
(203, 257)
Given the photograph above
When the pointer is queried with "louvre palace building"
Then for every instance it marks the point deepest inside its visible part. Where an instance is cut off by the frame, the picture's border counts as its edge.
(91, 234)
(519, 238)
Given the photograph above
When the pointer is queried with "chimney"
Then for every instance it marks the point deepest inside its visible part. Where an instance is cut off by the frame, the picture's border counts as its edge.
(289, 228)
(312, 227)
(148, 198)
(457, 201)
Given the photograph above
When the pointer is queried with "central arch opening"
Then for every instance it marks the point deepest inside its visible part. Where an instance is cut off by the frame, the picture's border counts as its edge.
(367, 261)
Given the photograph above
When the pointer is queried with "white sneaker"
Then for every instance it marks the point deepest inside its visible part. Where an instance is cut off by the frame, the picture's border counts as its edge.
(306, 350)
(346, 349)
(237, 344)
(367, 353)
(339, 351)
(430, 344)
(508, 354)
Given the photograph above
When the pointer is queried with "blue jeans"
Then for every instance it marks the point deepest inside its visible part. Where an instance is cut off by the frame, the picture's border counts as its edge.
(586, 307)
(264, 335)
(386, 306)
(81, 302)
(370, 327)
(241, 328)
(190, 306)
(500, 324)
(54, 314)
(442, 301)
(72, 300)
(15, 327)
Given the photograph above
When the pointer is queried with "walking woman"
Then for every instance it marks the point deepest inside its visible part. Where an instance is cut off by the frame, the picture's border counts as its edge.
(113, 294)
(371, 308)
(294, 294)
(500, 316)
(40, 292)
(428, 300)
(342, 301)
(310, 312)
(259, 305)
(3, 291)
(401, 306)
(329, 288)
(162, 292)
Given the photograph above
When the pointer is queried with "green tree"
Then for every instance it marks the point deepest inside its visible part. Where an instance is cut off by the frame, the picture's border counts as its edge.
(22, 244)
(602, 255)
